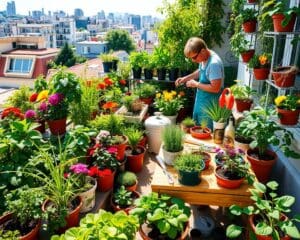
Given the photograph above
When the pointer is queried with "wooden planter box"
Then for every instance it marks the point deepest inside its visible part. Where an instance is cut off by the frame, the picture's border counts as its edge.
(133, 118)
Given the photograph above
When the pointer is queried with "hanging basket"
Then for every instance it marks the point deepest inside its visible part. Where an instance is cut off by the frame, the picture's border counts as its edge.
(246, 56)
(284, 76)
(249, 26)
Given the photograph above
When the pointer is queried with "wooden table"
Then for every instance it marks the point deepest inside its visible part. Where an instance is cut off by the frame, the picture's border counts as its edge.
(207, 192)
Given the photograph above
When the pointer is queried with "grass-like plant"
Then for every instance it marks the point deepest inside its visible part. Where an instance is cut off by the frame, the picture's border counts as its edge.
(189, 163)
(172, 137)
(112, 123)
(134, 136)
(188, 122)
(216, 112)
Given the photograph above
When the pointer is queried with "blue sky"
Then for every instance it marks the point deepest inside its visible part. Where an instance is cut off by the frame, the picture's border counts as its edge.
(90, 7)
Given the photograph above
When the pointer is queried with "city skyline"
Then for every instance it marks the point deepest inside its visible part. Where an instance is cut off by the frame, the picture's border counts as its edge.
(89, 7)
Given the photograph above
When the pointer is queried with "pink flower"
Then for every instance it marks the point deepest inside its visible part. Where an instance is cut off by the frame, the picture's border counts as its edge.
(55, 99)
(43, 107)
(79, 168)
(112, 150)
(30, 114)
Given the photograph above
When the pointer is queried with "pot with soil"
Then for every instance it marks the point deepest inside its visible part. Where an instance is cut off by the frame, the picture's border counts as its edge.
(228, 179)
(200, 132)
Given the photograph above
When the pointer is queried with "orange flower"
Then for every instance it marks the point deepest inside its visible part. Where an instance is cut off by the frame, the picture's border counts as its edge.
(263, 59)
(108, 81)
(181, 94)
(101, 86)
(109, 105)
(122, 82)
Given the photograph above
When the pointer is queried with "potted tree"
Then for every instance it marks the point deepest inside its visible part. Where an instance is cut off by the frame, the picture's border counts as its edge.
(239, 45)
(242, 97)
(288, 109)
(104, 225)
(261, 64)
(189, 167)
(258, 126)
(172, 138)
(161, 217)
(127, 179)
(247, 17)
(267, 215)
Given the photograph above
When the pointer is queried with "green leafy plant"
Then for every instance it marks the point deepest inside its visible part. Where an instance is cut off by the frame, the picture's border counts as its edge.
(288, 102)
(239, 44)
(188, 122)
(160, 57)
(134, 136)
(268, 209)
(132, 103)
(168, 214)
(123, 197)
(105, 158)
(247, 14)
(216, 112)
(136, 59)
(112, 123)
(107, 57)
(172, 137)
(242, 91)
(124, 70)
(145, 90)
(9, 235)
(189, 162)
(20, 99)
(126, 178)
(40, 84)
(262, 60)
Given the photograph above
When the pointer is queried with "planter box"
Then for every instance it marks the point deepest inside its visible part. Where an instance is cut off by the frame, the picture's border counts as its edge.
(133, 118)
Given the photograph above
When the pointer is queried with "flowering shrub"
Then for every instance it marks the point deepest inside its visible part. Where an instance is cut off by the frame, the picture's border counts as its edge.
(260, 61)
(288, 102)
(12, 113)
(81, 172)
(96, 172)
(169, 103)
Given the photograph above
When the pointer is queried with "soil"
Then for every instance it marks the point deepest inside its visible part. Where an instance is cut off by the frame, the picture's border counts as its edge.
(265, 157)
(200, 130)
(228, 174)
(137, 151)
(243, 139)
(12, 225)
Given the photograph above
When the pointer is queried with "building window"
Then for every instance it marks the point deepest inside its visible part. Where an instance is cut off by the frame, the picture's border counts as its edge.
(20, 65)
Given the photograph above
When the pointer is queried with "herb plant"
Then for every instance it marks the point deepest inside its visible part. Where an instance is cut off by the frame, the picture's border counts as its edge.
(172, 137)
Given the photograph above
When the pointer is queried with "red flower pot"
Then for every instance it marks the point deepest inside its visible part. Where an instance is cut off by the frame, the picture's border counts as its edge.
(135, 162)
(132, 187)
(227, 183)
(57, 127)
(249, 26)
(32, 235)
(251, 1)
(284, 76)
(261, 73)
(277, 22)
(243, 104)
(143, 141)
(105, 182)
(121, 149)
(288, 117)
(246, 56)
(261, 167)
(148, 100)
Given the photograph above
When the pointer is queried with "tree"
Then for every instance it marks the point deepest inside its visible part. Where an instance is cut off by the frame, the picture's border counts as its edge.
(119, 40)
(66, 56)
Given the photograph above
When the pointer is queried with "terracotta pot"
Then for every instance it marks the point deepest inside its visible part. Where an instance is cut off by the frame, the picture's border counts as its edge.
(263, 237)
(196, 133)
(251, 1)
(261, 73)
(42, 127)
(105, 183)
(117, 208)
(32, 235)
(227, 183)
(277, 22)
(144, 235)
(246, 56)
(133, 187)
(261, 168)
(148, 100)
(72, 219)
(207, 158)
(284, 76)
(243, 104)
(288, 117)
(57, 127)
(143, 141)
(135, 162)
(121, 148)
(249, 26)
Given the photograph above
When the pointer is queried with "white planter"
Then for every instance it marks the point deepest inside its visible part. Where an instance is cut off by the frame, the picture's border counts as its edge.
(169, 157)
(172, 118)
(133, 118)
(219, 125)
(243, 146)
(88, 197)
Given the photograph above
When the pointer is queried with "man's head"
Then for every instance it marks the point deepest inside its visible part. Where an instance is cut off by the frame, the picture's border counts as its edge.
(196, 49)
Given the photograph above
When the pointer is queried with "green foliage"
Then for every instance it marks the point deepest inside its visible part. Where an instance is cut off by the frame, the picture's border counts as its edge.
(105, 159)
(66, 56)
(20, 99)
(9, 235)
(107, 57)
(59, 111)
(216, 112)
(134, 136)
(267, 209)
(172, 137)
(128, 101)
(111, 122)
(259, 126)
(119, 40)
(247, 14)
(145, 90)
(136, 59)
(127, 178)
(124, 70)
(80, 59)
(168, 214)
(169, 103)
(122, 197)
(40, 84)
(239, 44)
(103, 225)
(160, 57)
(189, 162)
(262, 60)
(242, 91)
(147, 61)
(188, 122)
(25, 204)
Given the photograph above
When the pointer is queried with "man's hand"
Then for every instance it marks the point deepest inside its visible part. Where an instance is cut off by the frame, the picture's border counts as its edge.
(192, 84)
(179, 81)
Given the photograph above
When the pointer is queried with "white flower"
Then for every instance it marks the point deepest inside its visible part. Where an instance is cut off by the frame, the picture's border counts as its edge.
(64, 82)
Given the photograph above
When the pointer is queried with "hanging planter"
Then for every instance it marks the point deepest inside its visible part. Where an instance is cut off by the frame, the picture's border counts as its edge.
(261, 73)
(249, 26)
(284, 76)
(247, 55)
(278, 23)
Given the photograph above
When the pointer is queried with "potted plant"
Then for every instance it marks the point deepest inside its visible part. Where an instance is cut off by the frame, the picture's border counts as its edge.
(202, 131)
(122, 199)
(232, 169)
(239, 45)
(187, 123)
(134, 153)
(288, 109)
(240, 140)
(104, 225)
(247, 17)
(261, 65)
(127, 179)
(24, 213)
(161, 60)
(189, 167)
(242, 97)
(172, 138)
(283, 16)
(201, 154)
(284, 76)
(146, 92)
(148, 66)
(107, 61)
(258, 126)
(161, 216)
(136, 60)
(267, 215)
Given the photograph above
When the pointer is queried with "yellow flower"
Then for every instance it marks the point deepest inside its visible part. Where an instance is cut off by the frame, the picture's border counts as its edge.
(263, 59)
(168, 96)
(279, 100)
(298, 101)
(173, 93)
(43, 95)
(158, 95)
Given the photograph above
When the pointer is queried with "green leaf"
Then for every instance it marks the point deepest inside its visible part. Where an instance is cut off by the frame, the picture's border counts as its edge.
(274, 214)
(273, 185)
(163, 226)
(285, 201)
(292, 231)
(260, 187)
(233, 231)
(236, 210)
(263, 229)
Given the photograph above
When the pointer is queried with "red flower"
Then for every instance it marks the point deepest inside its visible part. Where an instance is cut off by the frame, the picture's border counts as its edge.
(12, 111)
(93, 171)
(226, 99)
(101, 86)
(92, 149)
(109, 105)
(33, 97)
(123, 82)
(104, 172)
(108, 81)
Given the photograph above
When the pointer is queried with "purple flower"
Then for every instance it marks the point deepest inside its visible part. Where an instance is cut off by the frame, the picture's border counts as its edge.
(43, 107)
(55, 99)
(79, 168)
(30, 114)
